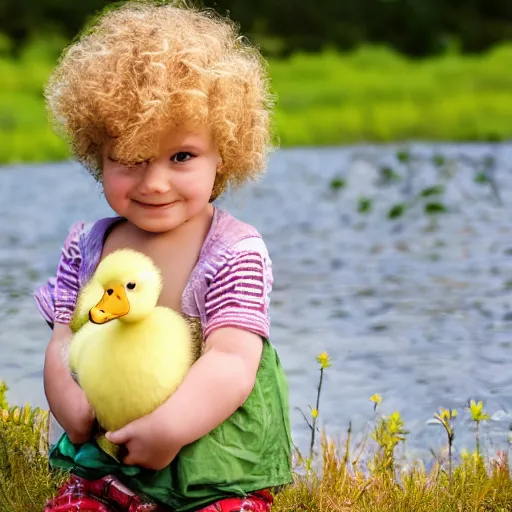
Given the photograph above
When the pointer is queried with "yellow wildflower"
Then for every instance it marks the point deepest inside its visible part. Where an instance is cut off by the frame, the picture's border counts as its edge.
(324, 360)
(477, 413)
(445, 415)
(314, 413)
(376, 399)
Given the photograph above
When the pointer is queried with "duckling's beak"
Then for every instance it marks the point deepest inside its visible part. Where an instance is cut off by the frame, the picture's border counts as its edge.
(113, 304)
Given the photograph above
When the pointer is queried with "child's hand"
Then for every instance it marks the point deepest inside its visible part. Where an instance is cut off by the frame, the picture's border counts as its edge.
(150, 443)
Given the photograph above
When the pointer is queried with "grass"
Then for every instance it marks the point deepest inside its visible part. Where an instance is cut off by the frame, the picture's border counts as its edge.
(337, 480)
(371, 94)
(473, 487)
(25, 479)
(24, 130)
(375, 94)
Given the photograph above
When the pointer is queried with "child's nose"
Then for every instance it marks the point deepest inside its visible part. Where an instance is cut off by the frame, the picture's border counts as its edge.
(155, 180)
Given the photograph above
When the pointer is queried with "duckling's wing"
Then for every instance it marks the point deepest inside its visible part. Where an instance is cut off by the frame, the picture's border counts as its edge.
(88, 297)
(76, 345)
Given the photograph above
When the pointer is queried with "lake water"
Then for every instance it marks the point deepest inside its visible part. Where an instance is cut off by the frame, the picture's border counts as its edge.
(418, 309)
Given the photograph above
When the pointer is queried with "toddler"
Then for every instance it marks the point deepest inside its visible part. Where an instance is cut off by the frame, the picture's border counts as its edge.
(167, 107)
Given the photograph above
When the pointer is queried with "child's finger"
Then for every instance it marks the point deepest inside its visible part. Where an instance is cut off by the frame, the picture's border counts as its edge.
(129, 460)
(121, 436)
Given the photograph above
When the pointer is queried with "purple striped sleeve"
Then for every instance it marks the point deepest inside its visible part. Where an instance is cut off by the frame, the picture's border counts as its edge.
(238, 294)
(56, 299)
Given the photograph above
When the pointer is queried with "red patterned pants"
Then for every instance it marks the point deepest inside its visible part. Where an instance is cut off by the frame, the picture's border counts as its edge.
(109, 495)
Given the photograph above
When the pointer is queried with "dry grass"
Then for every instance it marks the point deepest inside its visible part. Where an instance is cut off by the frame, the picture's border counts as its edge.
(25, 477)
(341, 483)
(341, 487)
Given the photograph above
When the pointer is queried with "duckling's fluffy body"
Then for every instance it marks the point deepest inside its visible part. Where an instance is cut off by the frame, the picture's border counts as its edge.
(129, 365)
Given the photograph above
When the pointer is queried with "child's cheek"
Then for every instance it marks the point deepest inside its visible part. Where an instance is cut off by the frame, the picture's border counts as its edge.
(118, 187)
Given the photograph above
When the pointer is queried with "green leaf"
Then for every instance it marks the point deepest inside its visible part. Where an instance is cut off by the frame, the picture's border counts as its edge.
(481, 178)
(397, 210)
(435, 208)
(388, 175)
(438, 160)
(338, 183)
(365, 205)
(432, 191)
(403, 156)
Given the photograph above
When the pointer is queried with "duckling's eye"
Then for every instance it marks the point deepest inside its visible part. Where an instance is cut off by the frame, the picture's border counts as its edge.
(130, 286)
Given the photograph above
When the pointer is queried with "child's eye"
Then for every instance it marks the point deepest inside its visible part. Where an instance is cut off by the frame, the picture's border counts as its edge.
(181, 156)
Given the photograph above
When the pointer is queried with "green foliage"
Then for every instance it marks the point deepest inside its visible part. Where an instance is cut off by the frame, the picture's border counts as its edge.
(425, 27)
(25, 479)
(3, 398)
(24, 130)
(338, 183)
(438, 160)
(432, 191)
(397, 211)
(403, 157)
(435, 208)
(369, 94)
(388, 175)
(429, 199)
(388, 432)
(365, 95)
(364, 205)
(482, 178)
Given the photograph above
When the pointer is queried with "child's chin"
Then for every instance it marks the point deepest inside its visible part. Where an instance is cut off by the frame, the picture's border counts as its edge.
(156, 225)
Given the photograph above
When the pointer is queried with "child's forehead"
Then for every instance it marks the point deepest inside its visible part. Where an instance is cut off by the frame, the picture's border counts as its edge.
(200, 135)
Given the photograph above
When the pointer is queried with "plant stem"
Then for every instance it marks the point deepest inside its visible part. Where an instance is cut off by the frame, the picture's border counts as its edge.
(313, 430)
(346, 457)
(450, 442)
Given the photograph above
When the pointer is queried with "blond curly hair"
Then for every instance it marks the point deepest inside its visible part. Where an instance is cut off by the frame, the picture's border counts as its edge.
(146, 67)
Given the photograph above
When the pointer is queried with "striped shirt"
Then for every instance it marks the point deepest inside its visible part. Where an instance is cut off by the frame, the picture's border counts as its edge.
(228, 287)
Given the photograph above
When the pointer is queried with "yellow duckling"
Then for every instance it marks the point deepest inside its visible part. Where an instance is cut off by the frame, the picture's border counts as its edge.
(131, 355)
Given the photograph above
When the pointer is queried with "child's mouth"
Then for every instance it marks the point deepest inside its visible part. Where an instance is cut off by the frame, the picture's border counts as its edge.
(154, 206)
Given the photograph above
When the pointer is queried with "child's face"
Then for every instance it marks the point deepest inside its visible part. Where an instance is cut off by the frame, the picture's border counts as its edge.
(174, 187)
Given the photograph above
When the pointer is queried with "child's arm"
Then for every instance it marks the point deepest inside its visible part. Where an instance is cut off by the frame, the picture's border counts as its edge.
(217, 384)
(66, 399)
(236, 307)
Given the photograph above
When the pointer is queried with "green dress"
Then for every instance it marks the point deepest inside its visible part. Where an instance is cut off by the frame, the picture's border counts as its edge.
(249, 451)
